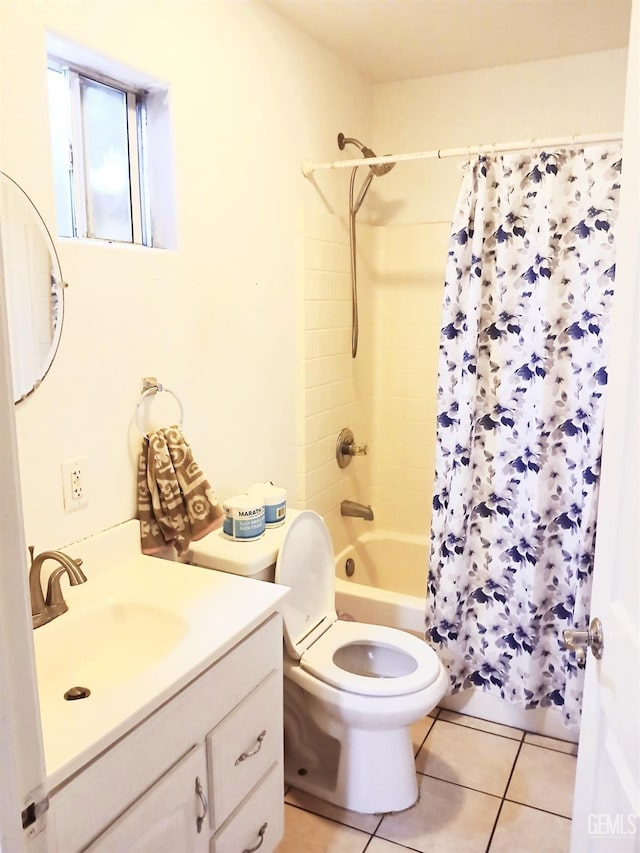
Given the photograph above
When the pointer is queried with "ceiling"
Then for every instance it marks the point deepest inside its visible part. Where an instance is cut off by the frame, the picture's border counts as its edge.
(388, 40)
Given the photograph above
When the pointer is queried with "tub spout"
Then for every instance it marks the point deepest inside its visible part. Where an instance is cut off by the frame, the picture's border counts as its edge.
(355, 510)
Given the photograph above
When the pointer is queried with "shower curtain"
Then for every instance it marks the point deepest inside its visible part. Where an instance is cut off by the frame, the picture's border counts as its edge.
(521, 384)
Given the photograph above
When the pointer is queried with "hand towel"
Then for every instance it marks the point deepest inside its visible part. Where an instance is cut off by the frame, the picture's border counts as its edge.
(176, 504)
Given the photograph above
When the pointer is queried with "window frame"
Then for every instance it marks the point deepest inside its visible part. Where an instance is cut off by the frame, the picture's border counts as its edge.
(136, 130)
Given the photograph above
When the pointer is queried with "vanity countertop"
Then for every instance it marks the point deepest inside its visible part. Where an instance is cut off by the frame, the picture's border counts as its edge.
(136, 633)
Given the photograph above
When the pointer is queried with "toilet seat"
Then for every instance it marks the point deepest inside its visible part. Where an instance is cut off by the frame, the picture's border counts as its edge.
(339, 652)
(306, 564)
(329, 660)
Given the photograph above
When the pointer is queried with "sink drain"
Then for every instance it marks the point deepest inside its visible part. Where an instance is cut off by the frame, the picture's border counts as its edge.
(74, 693)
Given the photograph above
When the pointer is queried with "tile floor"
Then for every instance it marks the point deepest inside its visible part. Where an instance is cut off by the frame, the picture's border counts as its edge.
(484, 788)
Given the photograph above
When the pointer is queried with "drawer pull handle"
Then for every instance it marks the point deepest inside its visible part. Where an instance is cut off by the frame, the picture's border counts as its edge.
(243, 756)
(261, 833)
(205, 805)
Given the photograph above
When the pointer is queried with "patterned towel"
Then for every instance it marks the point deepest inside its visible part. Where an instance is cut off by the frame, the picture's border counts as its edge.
(176, 504)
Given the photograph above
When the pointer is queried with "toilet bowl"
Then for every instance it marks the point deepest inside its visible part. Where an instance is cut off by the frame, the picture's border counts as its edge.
(351, 690)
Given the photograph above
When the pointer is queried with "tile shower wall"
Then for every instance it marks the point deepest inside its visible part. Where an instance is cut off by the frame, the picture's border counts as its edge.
(408, 287)
(387, 395)
(337, 389)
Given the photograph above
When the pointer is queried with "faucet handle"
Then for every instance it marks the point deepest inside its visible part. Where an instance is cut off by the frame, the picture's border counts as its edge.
(356, 449)
(346, 447)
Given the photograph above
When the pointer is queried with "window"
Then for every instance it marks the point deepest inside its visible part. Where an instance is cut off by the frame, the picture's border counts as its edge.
(109, 138)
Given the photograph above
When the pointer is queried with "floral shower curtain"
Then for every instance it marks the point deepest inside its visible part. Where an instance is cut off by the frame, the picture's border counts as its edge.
(521, 382)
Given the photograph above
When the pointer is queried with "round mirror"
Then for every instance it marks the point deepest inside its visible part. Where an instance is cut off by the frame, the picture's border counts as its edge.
(33, 285)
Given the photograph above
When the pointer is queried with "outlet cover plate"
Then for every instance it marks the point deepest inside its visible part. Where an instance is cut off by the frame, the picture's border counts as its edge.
(73, 485)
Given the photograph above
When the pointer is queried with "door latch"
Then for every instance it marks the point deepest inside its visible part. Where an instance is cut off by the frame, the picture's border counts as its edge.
(579, 641)
(36, 805)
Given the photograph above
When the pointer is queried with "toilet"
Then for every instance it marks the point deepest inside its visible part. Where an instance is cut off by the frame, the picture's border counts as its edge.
(351, 690)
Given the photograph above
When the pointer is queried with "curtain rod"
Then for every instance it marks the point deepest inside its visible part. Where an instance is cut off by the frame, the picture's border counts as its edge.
(308, 168)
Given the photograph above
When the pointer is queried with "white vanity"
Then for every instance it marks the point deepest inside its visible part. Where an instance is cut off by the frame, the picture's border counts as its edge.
(178, 747)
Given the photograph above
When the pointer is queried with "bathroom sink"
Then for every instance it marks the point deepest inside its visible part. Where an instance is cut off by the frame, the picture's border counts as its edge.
(104, 645)
(138, 631)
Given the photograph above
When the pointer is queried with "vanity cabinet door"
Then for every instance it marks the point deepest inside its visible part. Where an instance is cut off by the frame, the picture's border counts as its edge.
(171, 817)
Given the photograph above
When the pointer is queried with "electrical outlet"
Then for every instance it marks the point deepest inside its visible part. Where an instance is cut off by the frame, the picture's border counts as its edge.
(73, 485)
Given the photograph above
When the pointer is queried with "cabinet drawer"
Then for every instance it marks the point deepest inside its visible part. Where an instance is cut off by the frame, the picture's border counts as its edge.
(243, 747)
(259, 822)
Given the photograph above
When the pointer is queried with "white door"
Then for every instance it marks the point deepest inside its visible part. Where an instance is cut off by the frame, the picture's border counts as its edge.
(606, 814)
(21, 751)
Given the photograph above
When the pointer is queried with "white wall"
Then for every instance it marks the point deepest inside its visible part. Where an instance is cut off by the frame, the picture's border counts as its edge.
(215, 320)
(337, 390)
(221, 320)
(402, 268)
(555, 97)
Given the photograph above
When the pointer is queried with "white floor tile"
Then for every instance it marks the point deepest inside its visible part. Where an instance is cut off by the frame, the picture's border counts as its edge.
(468, 757)
(481, 725)
(312, 834)
(530, 831)
(420, 730)
(380, 845)
(446, 819)
(552, 743)
(365, 822)
(544, 779)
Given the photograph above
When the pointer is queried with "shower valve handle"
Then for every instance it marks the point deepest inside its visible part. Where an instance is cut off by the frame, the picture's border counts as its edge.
(346, 447)
(356, 449)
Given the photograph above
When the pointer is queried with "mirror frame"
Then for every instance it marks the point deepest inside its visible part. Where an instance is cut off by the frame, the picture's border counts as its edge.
(60, 283)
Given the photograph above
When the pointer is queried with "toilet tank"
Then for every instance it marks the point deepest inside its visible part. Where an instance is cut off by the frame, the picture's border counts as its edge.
(254, 558)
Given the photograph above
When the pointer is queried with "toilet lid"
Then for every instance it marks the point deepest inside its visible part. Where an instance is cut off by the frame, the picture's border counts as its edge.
(306, 564)
(373, 660)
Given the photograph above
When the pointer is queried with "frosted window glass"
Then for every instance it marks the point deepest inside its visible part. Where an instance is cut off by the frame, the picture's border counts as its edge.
(60, 137)
(106, 150)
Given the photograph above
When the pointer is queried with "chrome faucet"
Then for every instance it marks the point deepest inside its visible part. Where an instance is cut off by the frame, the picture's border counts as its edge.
(355, 510)
(44, 610)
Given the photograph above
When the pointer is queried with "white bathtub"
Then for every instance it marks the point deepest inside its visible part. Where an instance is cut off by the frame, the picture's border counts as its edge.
(389, 584)
(388, 587)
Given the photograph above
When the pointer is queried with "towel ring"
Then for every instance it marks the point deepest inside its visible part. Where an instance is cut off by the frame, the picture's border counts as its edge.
(150, 391)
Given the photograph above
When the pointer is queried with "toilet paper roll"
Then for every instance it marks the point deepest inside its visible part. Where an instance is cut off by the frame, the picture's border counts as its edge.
(244, 517)
(274, 499)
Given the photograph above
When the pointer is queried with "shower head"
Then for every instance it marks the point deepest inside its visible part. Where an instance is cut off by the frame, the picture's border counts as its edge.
(378, 169)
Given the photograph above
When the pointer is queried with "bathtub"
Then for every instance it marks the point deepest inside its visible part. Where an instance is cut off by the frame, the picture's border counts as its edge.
(389, 583)
(388, 587)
